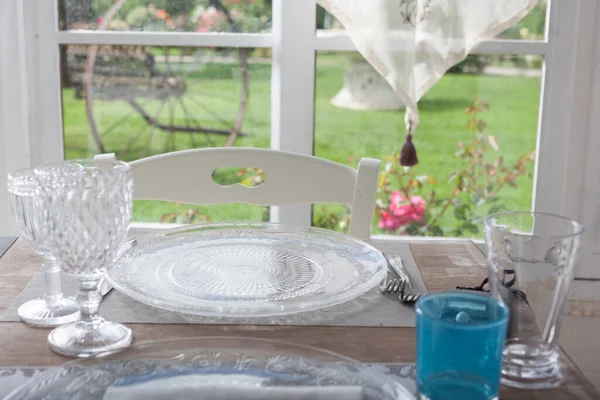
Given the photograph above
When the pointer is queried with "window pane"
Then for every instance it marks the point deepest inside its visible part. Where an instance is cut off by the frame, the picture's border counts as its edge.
(532, 27)
(466, 168)
(167, 15)
(143, 101)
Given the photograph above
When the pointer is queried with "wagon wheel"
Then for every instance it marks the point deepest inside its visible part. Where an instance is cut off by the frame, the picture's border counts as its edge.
(161, 96)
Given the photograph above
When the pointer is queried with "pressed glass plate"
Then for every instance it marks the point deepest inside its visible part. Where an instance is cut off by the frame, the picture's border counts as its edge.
(217, 368)
(247, 270)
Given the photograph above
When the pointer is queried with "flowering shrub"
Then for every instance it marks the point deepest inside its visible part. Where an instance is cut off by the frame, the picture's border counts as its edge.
(145, 18)
(409, 204)
(250, 176)
(210, 20)
(405, 206)
(337, 220)
(189, 215)
(401, 211)
(201, 16)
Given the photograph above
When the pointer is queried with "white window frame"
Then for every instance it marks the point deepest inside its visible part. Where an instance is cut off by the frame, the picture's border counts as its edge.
(37, 126)
(14, 128)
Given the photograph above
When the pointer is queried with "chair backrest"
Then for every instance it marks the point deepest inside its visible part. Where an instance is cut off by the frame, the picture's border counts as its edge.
(290, 178)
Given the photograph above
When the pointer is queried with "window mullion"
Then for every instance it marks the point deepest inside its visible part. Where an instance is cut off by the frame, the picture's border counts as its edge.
(179, 39)
(43, 70)
(293, 90)
(562, 111)
(339, 40)
(577, 190)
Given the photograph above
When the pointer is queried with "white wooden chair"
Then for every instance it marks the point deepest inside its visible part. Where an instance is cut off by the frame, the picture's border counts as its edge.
(290, 178)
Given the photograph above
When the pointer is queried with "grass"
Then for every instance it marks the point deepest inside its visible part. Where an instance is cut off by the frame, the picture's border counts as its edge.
(340, 135)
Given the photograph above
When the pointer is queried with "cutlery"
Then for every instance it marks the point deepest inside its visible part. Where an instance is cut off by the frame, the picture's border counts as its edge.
(391, 286)
(391, 283)
(407, 294)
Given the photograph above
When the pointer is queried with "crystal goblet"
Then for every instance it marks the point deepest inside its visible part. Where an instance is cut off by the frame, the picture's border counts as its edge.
(27, 209)
(91, 209)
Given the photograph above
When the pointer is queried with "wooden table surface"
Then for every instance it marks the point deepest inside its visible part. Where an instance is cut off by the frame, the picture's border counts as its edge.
(443, 266)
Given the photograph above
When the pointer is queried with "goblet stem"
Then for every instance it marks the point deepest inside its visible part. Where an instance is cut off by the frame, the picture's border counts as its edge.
(53, 289)
(89, 300)
(53, 309)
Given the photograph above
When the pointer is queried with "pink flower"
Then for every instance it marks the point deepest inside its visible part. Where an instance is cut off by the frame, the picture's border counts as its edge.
(417, 205)
(388, 222)
(396, 198)
(401, 211)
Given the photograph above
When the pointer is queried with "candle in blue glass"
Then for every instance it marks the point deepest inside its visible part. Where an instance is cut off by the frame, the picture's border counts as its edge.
(460, 338)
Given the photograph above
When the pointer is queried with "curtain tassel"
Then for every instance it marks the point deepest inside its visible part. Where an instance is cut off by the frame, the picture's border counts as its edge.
(408, 155)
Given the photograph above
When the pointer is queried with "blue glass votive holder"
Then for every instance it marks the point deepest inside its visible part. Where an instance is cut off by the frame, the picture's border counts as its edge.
(460, 338)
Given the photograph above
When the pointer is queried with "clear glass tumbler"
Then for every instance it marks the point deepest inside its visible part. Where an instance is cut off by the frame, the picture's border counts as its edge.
(531, 258)
(27, 209)
(91, 212)
(460, 337)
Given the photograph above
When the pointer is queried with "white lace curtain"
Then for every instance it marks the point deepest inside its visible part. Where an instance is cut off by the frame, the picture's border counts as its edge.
(412, 43)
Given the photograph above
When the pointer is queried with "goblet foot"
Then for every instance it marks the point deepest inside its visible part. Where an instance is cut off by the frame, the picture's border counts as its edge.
(40, 313)
(89, 338)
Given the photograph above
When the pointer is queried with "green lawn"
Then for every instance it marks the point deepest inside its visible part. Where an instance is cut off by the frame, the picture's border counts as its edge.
(340, 135)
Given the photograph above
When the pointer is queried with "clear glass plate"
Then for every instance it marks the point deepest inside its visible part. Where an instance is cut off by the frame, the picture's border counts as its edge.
(220, 367)
(247, 270)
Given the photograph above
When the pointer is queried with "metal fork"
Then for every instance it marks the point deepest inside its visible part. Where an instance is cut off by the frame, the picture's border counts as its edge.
(391, 283)
(406, 292)
(400, 286)
(391, 286)
(407, 295)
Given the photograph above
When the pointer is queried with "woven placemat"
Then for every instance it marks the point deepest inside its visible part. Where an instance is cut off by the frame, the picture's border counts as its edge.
(369, 310)
(5, 243)
(13, 377)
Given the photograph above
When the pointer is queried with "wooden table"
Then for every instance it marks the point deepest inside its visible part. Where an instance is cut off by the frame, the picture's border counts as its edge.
(443, 265)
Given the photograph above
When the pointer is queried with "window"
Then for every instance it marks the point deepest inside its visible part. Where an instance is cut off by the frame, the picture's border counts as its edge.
(294, 73)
